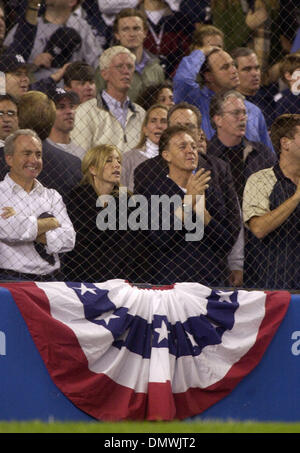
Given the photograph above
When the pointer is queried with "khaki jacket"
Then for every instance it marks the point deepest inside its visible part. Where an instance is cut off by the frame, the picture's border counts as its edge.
(95, 125)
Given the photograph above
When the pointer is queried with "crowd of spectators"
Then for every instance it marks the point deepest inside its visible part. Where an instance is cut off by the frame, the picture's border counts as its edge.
(153, 97)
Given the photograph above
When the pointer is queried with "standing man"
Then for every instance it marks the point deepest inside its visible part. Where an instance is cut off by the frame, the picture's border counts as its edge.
(221, 197)
(228, 115)
(9, 123)
(172, 255)
(215, 71)
(34, 224)
(251, 86)
(130, 31)
(271, 209)
(66, 103)
(112, 118)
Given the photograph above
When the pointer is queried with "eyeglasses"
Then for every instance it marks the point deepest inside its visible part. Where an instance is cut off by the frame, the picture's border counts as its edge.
(121, 67)
(9, 113)
(237, 112)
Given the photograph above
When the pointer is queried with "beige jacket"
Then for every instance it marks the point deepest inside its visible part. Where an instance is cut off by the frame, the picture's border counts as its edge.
(95, 125)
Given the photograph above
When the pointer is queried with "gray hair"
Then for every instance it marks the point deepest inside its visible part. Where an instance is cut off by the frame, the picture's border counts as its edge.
(9, 144)
(110, 53)
(218, 100)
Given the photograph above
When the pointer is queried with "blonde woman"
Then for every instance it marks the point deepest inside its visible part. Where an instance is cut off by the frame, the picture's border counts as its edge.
(154, 124)
(99, 254)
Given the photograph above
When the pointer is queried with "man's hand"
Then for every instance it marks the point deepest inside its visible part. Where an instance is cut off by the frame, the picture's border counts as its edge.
(41, 239)
(58, 75)
(236, 278)
(7, 212)
(198, 183)
(43, 59)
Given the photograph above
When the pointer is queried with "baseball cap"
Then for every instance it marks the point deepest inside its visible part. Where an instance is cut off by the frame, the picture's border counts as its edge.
(11, 62)
(59, 93)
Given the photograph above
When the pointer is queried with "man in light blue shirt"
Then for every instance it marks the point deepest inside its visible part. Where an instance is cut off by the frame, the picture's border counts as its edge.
(216, 71)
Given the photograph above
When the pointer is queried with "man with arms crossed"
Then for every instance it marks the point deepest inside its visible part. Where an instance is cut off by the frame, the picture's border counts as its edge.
(34, 224)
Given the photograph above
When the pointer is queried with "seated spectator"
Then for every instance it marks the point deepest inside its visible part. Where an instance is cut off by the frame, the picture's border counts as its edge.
(287, 100)
(157, 94)
(221, 198)
(207, 35)
(99, 254)
(61, 171)
(9, 123)
(154, 124)
(251, 82)
(17, 74)
(228, 115)
(34, 224)
(65, 103)
(130, 30)
(80, 77)
(271, 209)
(111, 118)
(61, 37)
(172, 255)
(215, 70)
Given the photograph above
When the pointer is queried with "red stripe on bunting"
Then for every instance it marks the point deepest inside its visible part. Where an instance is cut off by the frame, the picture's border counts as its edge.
(196, 400)
(98, 395)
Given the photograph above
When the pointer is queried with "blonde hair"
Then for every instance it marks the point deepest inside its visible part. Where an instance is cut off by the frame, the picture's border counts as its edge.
(110, 53)
(97, 157)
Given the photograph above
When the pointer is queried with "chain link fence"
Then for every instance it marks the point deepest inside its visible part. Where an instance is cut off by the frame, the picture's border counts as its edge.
(105, 118)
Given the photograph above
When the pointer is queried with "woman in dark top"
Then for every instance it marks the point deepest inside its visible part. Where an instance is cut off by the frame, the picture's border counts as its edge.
(103, 251)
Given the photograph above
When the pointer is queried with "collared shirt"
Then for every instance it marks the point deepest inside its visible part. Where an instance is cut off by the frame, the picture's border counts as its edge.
(274, 261)
(139, 67)
(18, 232)
(116, 108)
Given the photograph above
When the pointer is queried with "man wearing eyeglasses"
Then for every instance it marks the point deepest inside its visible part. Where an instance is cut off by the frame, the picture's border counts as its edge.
(111, 118)
(9, 123)
(228, 116)
(206, 72)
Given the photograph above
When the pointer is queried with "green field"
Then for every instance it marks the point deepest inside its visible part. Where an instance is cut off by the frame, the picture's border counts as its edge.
(149, 427)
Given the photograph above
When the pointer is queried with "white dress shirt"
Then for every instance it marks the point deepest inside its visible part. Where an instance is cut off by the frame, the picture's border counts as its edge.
(18, 232)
